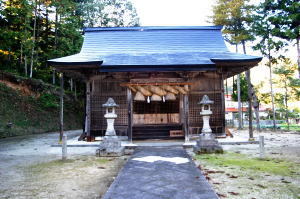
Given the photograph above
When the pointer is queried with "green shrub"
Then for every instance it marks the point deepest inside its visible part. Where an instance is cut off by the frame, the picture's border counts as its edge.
(48, 101)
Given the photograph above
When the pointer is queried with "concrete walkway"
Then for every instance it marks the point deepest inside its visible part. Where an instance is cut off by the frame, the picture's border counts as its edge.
(160, 173)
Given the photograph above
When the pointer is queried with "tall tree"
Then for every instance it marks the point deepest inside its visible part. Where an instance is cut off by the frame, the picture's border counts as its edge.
(284, 15)
(243, 90)
(286, 80)
(33, 31)
(111, 13)
(266, 44)
(234, 15)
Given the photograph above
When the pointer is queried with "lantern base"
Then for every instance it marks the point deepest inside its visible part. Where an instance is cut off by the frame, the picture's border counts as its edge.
(110, 147)
(207, 144)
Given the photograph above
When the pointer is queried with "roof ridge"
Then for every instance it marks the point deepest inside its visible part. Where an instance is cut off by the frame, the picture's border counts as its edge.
(146, 28)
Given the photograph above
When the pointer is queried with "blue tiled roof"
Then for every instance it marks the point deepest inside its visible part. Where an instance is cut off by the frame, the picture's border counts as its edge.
(133, 48)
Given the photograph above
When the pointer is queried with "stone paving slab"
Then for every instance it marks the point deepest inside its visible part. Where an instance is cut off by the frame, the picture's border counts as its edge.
(160, 173)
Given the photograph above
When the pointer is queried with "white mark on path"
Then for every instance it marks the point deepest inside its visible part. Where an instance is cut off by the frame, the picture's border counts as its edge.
(151, 159)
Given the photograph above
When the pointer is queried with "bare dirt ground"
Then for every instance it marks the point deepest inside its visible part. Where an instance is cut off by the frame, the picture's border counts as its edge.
(239, 173)
(31, 168)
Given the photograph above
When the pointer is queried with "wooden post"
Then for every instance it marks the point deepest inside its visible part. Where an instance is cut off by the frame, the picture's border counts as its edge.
(186, 117)
(75, 91)
(240, 119)
(88, 110)
(261, 147)
(248, 77)
(61, 124)
(64, 147)
(223, 102)
(129, 101)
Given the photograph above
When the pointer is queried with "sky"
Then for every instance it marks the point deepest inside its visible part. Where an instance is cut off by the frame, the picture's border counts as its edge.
(173, 12)
(193, 13)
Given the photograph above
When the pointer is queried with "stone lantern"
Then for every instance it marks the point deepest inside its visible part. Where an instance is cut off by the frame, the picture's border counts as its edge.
(206, 112)
(110, 116)
(111, 145)
(207, 142)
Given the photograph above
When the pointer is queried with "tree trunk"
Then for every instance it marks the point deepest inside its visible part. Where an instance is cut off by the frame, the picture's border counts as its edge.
(53, 77)
(238, 85)
(33, 39)
(250, 91)
(298, 51)
(55, 29)
(286, 106)
(25, 66)
(252, 98)
(256, 111)
(272, 96)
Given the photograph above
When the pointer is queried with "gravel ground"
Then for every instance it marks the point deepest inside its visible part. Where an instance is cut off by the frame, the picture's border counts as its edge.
(243, 182)
(31, 168)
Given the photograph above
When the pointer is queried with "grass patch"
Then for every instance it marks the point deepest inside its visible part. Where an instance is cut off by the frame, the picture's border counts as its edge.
(73, 163)
(272, 166)
(50, 165)
(291, 128)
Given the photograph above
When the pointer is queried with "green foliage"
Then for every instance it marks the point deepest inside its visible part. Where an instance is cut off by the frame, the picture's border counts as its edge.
(49, 100)
(286, 72)
(29, 115)
(234, 15)
(107, 13)
(57, 31)
(244, 89)
(261, 28)
(285, 16)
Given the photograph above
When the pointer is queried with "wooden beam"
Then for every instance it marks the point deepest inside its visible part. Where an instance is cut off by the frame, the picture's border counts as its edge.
(206, 92)
(129, 102)
(156, 83)
(61, 124)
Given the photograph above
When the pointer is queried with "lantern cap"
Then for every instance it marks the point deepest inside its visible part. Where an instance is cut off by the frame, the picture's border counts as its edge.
(110, 103)
(205, 100)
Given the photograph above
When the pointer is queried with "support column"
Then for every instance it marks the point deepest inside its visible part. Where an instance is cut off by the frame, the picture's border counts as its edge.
(240, 119)
(186, 117)
(88, 110)
(223, 104)
(129, 102)
(61, 115)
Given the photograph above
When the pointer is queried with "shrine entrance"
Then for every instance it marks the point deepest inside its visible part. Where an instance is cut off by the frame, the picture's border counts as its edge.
(157, 119)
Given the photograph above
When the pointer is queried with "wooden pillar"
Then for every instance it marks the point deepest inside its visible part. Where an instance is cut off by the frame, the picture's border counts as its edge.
(186, 117)
(88, 110)
(61, 124)
(223, 103)
(129, 102)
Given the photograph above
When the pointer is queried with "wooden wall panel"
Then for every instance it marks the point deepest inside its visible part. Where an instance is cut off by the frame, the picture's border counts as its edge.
(101, 91)
(209, 85)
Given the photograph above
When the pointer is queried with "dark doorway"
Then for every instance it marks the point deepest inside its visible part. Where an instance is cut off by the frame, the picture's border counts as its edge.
(156, 120)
